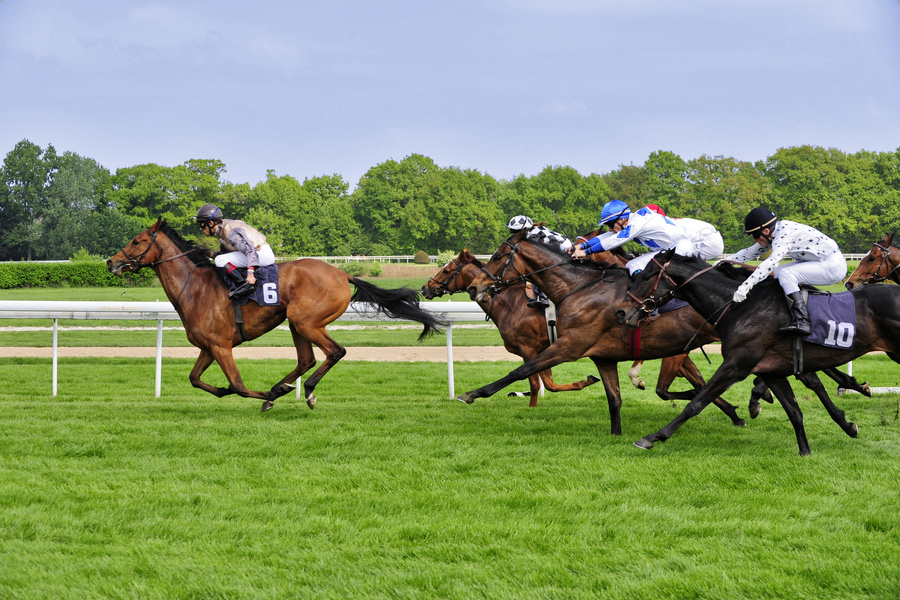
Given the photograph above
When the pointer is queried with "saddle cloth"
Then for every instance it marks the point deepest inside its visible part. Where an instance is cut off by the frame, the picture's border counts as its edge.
(833, 318)
(265, 292)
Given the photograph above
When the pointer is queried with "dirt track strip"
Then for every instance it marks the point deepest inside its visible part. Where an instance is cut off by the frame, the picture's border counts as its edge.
(392, 354)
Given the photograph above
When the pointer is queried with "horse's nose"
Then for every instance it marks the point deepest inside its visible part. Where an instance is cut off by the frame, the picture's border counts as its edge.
(620, 314)
(849, 285)
(472, 291)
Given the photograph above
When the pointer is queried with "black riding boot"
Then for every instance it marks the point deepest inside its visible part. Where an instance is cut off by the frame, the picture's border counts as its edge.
(799, 315)
(540, 300)
(242, 288)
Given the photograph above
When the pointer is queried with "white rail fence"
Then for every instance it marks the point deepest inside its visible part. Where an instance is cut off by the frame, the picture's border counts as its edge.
(452, 312)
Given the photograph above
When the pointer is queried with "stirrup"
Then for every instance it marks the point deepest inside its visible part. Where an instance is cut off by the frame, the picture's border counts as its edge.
(239, 292)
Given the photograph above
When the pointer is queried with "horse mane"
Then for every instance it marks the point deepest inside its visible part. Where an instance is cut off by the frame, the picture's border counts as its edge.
(197, 254)
(736, 272)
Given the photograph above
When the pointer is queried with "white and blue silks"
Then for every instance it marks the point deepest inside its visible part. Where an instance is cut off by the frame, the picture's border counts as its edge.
(689, 237)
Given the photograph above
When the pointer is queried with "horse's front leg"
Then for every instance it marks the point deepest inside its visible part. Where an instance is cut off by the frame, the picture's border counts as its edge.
(225, 360)
(609, 375)
(724, 377)
(785, 394)
(557, 353)
(203, 362)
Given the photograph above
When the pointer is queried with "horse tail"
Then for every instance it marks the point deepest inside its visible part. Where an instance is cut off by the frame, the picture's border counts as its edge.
(400, 303)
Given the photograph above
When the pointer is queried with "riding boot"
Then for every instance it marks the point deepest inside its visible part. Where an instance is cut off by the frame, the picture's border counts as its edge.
(242, 288)
(540, 300)
(799, 315)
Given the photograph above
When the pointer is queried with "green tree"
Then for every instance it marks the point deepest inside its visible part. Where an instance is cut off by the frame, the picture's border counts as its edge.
(630, 184)
(667, 180)
(27, 173)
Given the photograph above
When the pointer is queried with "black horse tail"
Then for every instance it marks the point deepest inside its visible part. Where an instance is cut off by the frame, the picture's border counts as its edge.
(400, 303)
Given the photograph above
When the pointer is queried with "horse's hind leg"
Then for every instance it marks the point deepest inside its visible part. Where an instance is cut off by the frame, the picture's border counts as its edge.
(785, 395)
(812, 381)
(306, 360)
(634, 374)
(684, 366)
(333, 353)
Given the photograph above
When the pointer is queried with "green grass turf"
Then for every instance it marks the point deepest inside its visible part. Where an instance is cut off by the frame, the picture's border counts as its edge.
(391, 490)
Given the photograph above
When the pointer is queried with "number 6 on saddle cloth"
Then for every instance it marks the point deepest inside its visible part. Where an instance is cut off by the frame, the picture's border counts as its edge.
(265, 292)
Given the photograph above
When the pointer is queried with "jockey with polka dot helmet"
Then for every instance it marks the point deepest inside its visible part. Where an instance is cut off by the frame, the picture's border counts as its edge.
(518, 223)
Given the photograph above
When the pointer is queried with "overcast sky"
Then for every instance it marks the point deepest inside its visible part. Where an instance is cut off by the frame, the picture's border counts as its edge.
(506, 87)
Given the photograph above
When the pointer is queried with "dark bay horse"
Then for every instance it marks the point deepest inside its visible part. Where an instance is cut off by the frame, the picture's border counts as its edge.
(312, 294)
(882, 263)
(524, 330)
(751, 342)
(586, 297)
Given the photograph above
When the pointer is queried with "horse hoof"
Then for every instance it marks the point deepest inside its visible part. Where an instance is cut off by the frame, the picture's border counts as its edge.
(267, 405)
(754, 409)
(311, 401)
(465, 398)
(644, 443)
(593, 379)
(854, 430)
(517, 395)
(740, 423)
(866, 390)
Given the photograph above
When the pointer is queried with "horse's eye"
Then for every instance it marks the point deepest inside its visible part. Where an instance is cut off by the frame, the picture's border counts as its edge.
(134, 242)
(871, 258)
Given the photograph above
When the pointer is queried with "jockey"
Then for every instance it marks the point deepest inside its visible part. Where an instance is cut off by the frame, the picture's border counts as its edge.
(817, 261)
(247, 247)
(651, 228)
(536, 298)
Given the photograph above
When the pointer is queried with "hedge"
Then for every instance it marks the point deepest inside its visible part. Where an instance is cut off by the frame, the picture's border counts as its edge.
(71, 274)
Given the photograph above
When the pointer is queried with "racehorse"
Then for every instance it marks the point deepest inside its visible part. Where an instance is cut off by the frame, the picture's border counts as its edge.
(751, 342)
(585, 296)
(524, 330)
(882, 263)
(312, 294)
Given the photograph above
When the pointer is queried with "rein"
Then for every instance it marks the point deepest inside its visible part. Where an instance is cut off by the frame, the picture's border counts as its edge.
(136, 264)
(499, 283)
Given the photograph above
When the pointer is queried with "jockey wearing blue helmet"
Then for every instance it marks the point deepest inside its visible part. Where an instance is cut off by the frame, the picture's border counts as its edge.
(613, 211)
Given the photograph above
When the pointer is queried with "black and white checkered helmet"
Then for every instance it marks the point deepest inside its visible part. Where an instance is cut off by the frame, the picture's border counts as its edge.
(519, 223)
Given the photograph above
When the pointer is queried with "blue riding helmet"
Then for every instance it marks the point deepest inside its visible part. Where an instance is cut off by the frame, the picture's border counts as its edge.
(612, 210)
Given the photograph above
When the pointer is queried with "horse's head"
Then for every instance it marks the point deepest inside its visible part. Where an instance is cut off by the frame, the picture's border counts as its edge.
(649, 289)
(503, 269)
(880, 264)
(453, 277)
(140, 252)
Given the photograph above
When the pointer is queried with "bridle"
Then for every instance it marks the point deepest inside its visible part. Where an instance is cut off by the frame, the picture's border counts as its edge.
(652, 302)
(884, 264)
(443, 287)
(136, 264)
(499, 283)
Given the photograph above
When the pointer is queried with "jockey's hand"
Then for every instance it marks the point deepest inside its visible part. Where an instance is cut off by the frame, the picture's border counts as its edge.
(251, 278)
(577, 252)
(741, 293)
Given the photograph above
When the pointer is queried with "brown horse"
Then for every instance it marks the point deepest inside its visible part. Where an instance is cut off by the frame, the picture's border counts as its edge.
(586, 297)
(524, 330)
(312, 294)
(751, 341)
(882, 263)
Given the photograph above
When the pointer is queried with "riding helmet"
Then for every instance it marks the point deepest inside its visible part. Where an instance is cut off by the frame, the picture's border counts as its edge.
(519, 223)
(757, 219)
(207, 213)
(612, 210)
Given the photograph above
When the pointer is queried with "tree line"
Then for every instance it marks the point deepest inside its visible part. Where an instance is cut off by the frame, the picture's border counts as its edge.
(53, 205)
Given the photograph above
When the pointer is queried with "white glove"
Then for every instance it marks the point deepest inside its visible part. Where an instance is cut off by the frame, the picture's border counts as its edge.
(741, 293)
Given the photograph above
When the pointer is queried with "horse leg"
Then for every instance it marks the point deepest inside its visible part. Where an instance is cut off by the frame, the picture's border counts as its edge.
(848, 382)
(225, 359)
(683, 365)
(759, 392)
(203, 362)
(534, 385)
(559, 352)
(812, 381)
(609, 374)
(724, 377)
(785, 394)
(634, 374)
(305, 361)
(333, 353)
(552, 386)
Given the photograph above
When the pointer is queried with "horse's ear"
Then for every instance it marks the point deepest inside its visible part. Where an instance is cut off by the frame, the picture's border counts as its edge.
(668, 254)
(158, 224)
(889, 239)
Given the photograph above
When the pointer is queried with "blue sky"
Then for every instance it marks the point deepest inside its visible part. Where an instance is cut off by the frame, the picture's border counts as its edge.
(501, 86)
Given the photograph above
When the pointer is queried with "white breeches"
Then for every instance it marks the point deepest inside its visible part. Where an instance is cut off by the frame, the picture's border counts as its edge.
(831, 270)
(239, 259)
(707, 246)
